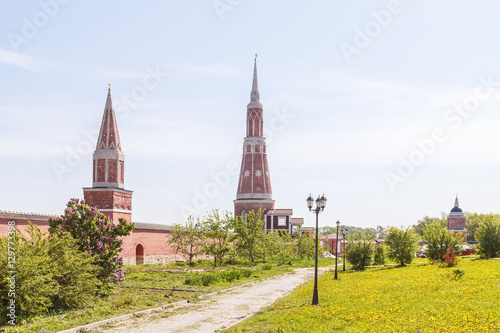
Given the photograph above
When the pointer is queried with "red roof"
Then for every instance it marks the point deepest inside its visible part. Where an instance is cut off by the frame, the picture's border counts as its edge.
(280, 212)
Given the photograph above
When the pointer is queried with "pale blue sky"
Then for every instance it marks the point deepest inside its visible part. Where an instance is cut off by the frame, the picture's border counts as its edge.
(348, 89)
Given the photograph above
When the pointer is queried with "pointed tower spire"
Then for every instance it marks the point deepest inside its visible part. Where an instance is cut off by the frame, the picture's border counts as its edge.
(254, 187)
(254, 94)
(456, 201)
(108, 192)
(109, 159)
(108, 135)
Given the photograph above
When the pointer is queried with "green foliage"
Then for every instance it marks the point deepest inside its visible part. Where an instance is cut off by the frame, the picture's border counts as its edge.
(206, 279)
(379, 257)
(381, 232)
(426, 221)
(474, 220)
(188, 239)
(402, 244)
(279, 244)
(267, 267)
(439, 241)
(250, 235)
(456, 274)
(218, 241)
(305, 246)
(488, 236)
(359, 251)
(51, 273)
(94, 234)
(369, 232)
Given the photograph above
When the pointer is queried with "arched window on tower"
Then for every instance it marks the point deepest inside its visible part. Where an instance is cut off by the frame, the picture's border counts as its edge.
(139, 255)
(244, 216)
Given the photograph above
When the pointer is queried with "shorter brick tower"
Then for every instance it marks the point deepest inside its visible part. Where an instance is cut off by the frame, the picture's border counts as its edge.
(457, 219)
(254, 187)
(108, 192)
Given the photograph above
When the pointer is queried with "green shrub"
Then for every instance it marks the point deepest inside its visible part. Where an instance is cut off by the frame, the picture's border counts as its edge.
(50, 274)
(208, 279)
(379, 257)
(402, 244)
(267, 267)
(439, 242)
(359, 251)
(488, 235)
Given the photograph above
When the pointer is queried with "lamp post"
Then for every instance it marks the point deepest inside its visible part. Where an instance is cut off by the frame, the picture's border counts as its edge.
(344, 233)
(336, 250)
(320, 206)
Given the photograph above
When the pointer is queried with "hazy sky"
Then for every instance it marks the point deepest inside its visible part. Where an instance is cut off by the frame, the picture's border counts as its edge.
(389, 108)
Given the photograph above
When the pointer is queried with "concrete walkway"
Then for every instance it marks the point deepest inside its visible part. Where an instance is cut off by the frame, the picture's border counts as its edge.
(219, 311)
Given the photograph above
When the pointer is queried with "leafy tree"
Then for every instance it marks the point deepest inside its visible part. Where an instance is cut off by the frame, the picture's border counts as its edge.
(439, 241)
(424, 222)
(473, 222)
(218, 234)
(279, 244)
(51, 273)
(249, 234)
(359, 251)
(305, 246)
(379, 257)
(327, 230)
(94, 234)
(188, 239)
(381, 232)
(402, 244)
(488, 235)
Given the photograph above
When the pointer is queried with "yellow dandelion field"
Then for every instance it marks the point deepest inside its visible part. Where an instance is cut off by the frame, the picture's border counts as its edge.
(417, 298)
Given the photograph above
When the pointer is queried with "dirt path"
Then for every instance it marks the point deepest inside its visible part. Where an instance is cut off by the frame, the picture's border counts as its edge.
(218, 311)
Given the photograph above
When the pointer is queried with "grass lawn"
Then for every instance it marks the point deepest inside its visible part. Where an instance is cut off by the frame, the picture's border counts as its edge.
(417, 298)
(132, 295)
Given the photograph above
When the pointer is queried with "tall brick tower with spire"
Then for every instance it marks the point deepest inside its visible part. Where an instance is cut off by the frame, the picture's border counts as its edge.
(254, 187)
(108, 192)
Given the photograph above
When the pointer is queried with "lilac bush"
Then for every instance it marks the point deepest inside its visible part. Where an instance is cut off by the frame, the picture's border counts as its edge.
(95, 234)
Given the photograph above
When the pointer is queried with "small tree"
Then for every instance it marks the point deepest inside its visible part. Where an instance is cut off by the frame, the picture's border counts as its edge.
(426, 221)
(249, 234)
(305, 246)
(402, 244)
(94, 234)
(488, 235)
(379, 257)
(381, 232)
(188, 239)
(439, 241)
(218, 235)
(359, 251)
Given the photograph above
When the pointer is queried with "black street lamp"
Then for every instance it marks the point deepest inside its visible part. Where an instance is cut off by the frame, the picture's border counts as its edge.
(344, 233)
(320, 206)
(336, 250)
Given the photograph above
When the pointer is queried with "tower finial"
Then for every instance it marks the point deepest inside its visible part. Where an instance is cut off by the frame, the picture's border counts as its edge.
(109, 87)
(456, 201)
(254, 95)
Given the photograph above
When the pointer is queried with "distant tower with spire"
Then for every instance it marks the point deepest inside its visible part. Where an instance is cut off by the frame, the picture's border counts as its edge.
(457, 219)
(108, 192)
(254, 186)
